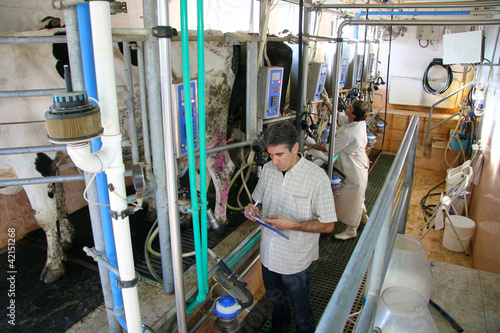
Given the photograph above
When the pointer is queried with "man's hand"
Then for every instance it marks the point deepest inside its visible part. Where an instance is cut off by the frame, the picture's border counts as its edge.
(250, 209)
(280, 222)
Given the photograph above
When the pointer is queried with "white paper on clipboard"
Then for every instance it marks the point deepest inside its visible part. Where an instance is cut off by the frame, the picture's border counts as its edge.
(266, 225)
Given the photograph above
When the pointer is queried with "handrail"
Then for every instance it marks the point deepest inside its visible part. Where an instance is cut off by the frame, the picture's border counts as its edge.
(429, 128)
(377, 239)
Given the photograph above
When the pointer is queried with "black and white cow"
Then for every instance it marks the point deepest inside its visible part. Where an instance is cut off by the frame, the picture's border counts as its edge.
(33, 66)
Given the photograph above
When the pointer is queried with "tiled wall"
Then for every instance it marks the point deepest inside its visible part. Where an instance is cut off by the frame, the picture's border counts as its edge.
(397, 124)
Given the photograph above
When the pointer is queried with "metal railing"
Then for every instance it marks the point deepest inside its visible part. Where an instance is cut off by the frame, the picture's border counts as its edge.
(429, 128)
(377, 240)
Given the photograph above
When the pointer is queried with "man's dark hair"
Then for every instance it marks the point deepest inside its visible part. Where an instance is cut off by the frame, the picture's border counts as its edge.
(359, 109)
(281, 133)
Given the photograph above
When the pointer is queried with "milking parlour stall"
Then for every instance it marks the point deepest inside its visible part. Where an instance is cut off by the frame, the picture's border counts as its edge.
(85, 188)
(132, 139)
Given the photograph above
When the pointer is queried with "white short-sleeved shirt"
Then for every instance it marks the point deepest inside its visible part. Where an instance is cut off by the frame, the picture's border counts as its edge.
(303, 194)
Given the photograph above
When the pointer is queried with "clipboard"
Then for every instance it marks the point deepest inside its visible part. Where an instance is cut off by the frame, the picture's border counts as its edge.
(266, 225)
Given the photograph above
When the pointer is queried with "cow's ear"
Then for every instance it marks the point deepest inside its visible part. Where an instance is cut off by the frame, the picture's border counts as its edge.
(60, 53)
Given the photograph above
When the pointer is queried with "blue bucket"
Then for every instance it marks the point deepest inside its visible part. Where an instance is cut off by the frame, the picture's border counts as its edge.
(464, 139)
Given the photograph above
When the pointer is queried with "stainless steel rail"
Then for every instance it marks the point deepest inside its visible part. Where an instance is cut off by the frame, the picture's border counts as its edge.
(377, 240)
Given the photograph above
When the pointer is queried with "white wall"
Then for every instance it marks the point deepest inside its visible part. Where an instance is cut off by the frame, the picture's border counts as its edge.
(24, 15)
(408, 63)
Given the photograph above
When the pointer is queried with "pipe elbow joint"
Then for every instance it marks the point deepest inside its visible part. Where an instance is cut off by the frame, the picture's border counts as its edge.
(83, 158)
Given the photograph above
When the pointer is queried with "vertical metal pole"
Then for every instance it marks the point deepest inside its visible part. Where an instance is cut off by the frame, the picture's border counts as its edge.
(74, 51)
(170, 163)
(300, 79)
(144, 106)
(252, 126)
(335, 94)
(129, 82)
(157, 143)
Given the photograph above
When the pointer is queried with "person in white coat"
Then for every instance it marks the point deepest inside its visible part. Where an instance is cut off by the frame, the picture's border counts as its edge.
(350, 144)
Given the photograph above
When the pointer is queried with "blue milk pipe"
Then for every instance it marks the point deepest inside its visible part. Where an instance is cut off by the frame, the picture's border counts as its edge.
(202, 140)
(101, 180)
(191, 158)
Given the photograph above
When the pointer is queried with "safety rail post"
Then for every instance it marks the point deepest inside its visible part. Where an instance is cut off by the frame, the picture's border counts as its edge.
(377, 233)
(429, 128)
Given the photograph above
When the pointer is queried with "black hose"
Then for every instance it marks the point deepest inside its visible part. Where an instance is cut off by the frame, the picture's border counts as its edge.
(428, 209)
(238, 283)
(446, 316)
(425, 82)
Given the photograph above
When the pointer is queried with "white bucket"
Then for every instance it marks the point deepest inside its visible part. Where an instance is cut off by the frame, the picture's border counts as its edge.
(465, 229)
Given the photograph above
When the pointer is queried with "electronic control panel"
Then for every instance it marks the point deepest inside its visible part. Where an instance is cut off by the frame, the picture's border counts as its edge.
(343, 71)
(179, 107)
(269, 89)
(316, 79)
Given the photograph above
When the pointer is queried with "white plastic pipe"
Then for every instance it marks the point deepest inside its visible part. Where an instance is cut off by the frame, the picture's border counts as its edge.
(110, 157)
(82, 156)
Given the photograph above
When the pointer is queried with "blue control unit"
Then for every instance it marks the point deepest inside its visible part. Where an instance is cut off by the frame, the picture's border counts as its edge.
(343, 71)
(269, 89)
(179, 106)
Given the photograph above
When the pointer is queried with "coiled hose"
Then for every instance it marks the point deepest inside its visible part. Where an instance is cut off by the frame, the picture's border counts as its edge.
(425, 81)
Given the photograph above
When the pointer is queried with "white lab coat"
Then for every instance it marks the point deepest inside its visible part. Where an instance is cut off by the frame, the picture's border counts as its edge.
(350, 143)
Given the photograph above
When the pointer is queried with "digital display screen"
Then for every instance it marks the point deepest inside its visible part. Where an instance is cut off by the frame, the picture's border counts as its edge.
(276, 76)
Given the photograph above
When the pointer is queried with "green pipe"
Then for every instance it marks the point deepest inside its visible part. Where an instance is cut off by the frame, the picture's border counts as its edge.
(202, 142)
(243, 250)
(196, 301)
(193, 305)
(190, 147)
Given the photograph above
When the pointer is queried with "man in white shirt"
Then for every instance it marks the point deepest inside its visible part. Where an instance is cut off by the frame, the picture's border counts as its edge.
(296, 196)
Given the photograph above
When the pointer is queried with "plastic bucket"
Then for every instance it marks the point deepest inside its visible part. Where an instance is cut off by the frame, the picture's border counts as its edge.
(465, 229)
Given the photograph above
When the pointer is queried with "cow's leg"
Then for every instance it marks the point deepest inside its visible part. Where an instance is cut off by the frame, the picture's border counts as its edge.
(43, 202)
(66, 229)
(221, 168)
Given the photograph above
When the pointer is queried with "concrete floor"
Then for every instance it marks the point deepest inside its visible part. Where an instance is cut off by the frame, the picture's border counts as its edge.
(470, 296)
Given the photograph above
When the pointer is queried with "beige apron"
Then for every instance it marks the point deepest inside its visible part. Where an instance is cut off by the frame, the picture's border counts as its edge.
(350, 203)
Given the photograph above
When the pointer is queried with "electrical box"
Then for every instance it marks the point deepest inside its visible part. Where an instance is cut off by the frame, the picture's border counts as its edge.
(430, 33)
(179, 106)
(269, 89)
(349, 52)
(343, 71)
(316, 79)
(463, 48)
